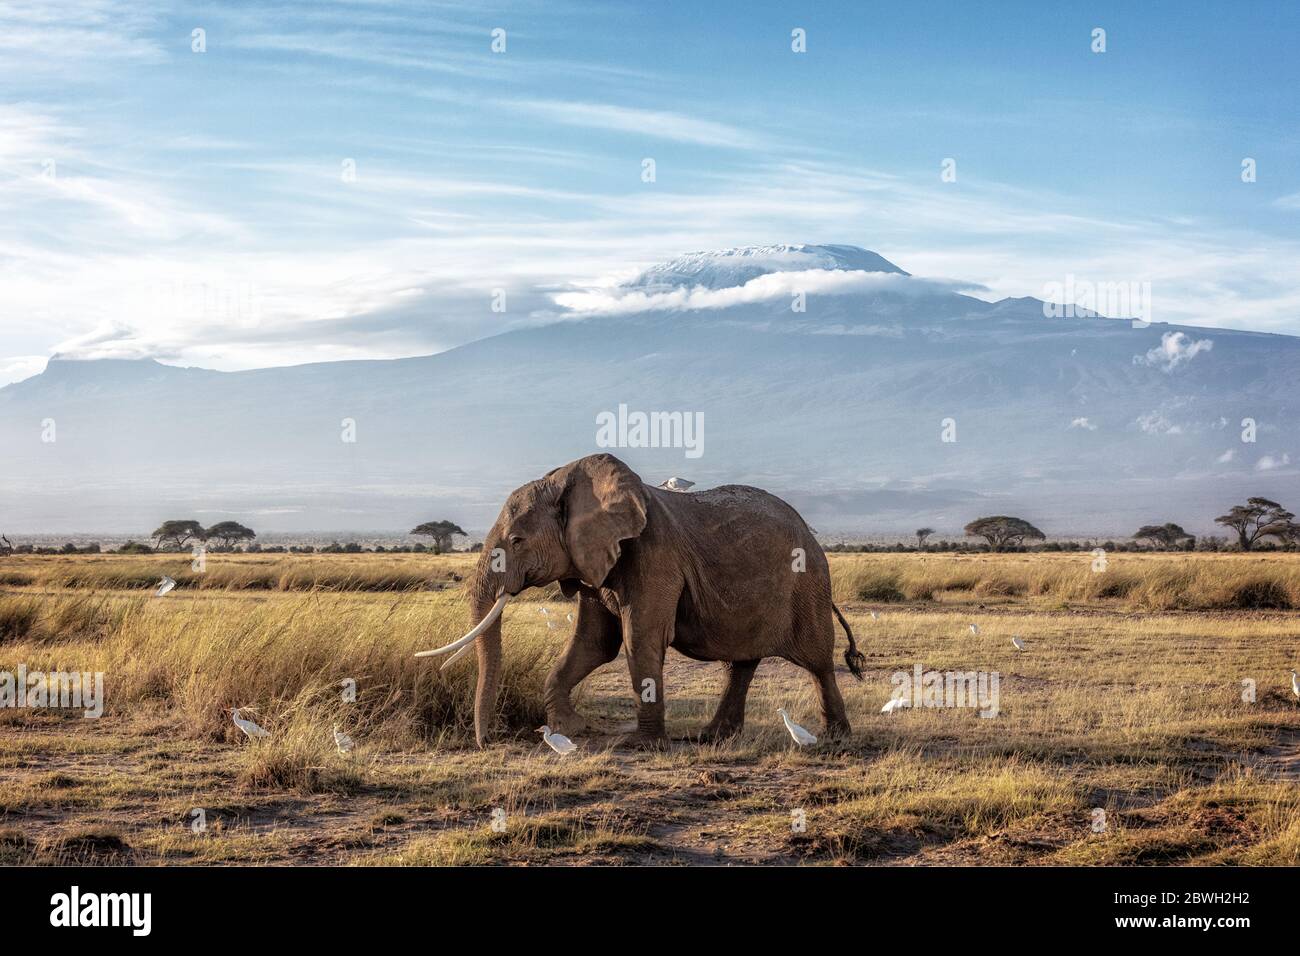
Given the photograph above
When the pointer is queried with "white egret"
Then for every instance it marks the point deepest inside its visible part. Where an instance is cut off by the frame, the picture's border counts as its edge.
(875, 616)
(1295, 684)
(569, 617)
(249, 728)
(801, 737)
(342, 741)
(895, 703)
(677, 484)
(1018, 643)
(975, 629)
(558, 742)
(165, 585)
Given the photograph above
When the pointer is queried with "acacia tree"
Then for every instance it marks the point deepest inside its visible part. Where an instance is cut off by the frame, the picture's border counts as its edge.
(1165, 535)
(441, 532)
(7, 547)
(178, 533)
(228, 532)
(1003, 531)
(921, 535)
(1259, 518)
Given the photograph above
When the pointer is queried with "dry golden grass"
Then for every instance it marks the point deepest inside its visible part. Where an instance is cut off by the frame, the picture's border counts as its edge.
(1121, 701)
(238, 572)
(286, 656)
(1151, 581)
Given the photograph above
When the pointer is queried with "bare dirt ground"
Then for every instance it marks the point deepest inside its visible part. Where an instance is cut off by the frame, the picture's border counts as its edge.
(124, 790)
(1122, 737)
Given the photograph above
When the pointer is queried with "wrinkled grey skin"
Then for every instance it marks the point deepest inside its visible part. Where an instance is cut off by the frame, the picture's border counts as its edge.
(711, 574)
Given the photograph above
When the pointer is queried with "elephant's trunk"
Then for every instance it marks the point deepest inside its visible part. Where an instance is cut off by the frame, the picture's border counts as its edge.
(489, 668)
(488, 589)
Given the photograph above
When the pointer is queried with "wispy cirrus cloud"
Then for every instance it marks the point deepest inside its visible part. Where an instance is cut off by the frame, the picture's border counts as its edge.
(189, 186)
(654, 123)
(39, 39)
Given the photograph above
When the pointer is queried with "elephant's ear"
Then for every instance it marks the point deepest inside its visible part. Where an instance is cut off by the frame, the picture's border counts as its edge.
(604, 504)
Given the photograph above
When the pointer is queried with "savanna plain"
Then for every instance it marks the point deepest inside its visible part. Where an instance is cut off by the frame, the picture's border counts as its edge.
(1126, 731)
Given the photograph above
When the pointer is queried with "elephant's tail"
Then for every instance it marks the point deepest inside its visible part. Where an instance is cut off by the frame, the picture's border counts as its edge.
(853, 657)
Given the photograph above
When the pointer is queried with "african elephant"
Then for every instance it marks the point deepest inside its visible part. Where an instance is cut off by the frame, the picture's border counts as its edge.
(732, 574)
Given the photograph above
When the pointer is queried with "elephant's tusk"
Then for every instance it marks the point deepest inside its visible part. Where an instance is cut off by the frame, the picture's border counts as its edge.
(457, 656)
(482, 626)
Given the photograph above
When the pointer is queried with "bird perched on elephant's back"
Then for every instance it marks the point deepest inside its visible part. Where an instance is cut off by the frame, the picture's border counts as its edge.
(732, 574)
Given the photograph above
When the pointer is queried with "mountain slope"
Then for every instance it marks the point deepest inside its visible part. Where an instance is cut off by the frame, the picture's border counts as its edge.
(1083, 425)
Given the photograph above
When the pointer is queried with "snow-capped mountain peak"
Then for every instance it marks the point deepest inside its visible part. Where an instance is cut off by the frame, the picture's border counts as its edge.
(727, 268)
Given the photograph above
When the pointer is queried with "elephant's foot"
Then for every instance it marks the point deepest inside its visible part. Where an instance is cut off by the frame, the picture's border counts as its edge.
(837, 730)
(641, 740)
(570, 724)
(717, 731)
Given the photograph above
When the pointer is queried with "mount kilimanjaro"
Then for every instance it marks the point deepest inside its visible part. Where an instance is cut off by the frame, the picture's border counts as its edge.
(825, 374)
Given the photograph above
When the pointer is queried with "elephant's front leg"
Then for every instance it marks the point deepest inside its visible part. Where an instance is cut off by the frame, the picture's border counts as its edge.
(646, 635)
(597, 636)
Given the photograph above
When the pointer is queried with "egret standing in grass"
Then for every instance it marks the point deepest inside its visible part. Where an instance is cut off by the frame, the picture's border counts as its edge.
(249, 728)
(1295, 684)
(558, 742)
(895, 703)
(165, 585)
(874, 616)
(1017, 643)
(975, 629)
(801, 737)
(343, 741)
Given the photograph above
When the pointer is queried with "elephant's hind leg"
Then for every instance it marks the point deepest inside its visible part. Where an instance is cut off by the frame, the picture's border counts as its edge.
(730, 717)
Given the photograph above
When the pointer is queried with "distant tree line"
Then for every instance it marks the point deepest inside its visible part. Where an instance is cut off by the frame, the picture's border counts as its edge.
(1259, 525)
(176, 535)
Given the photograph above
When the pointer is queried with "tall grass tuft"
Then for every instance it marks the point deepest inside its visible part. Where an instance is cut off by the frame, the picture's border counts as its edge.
(289, 657)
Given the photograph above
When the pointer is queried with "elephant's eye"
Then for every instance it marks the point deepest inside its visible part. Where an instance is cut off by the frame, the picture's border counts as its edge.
(516, 540)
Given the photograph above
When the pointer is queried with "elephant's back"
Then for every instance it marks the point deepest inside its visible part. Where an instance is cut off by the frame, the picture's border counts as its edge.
(747, 542)
(741, 511)
(749, 500)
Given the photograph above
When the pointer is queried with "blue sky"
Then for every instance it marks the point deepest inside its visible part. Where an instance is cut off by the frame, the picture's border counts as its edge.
(155, 201)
